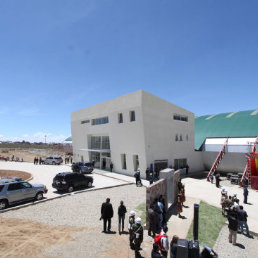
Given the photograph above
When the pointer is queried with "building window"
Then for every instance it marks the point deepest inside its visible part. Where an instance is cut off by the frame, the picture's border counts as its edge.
(135, 162)
(180, 163)
(123, 161)
(99, 121)
(95, 142)
(85, 121)
(132, 116)
(105, 142)
(181, 138)
(120, 118)
(176, 138)
(180, 118)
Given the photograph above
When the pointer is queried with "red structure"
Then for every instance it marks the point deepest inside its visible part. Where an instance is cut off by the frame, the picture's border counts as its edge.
(251, 169)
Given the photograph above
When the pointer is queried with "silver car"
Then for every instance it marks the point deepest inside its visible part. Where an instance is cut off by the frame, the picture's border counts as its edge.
(13, 191)
(53, 160)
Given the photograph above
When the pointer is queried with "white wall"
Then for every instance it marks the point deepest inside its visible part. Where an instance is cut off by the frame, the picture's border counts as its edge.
(160, 130)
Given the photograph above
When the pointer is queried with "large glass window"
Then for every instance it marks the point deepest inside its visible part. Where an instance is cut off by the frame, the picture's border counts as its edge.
(99, 121)
(132, 116)
(95, 142)
(105, 142)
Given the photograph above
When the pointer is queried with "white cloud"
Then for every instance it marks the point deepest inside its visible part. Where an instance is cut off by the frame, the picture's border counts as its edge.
(37, 137)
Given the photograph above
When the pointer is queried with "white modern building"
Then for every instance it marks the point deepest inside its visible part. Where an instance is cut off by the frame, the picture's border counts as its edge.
(135, 130)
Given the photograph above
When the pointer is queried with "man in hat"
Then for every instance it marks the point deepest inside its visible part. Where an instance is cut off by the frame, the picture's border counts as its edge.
(138, 236)
(130, 228)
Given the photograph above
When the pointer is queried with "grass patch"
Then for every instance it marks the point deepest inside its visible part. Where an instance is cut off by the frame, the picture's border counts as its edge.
(142, 208)
(210, 224)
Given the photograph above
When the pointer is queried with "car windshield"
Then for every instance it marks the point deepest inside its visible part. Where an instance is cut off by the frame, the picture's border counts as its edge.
(1, 187)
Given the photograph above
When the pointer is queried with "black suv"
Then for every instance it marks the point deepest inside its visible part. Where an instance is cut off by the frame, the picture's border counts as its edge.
(68, 181)
(82, 167)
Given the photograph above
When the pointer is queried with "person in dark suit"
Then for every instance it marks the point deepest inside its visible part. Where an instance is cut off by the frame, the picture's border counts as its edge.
(106, 214)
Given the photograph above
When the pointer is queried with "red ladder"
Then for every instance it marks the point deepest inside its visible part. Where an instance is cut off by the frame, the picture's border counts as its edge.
(247, 170)
(218, 159)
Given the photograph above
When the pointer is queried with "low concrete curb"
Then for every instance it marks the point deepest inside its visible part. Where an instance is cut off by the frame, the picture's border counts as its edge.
(60, 196)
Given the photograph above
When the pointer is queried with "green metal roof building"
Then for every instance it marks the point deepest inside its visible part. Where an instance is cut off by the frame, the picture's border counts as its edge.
(235, 124)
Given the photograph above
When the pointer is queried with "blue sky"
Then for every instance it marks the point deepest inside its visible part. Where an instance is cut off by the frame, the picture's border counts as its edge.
(58, 56)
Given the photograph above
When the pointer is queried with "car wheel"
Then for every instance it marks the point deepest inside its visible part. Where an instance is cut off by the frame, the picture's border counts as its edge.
(3, 204)
(39, 196)
(70, 189)
(89, 184)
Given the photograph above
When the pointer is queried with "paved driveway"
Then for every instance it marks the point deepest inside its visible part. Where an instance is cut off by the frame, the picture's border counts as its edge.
(205, 191)
(44, 174)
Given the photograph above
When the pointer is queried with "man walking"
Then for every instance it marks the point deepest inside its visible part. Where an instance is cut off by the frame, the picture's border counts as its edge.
(106, 214)
(121, 216)
(242, 216)
(245, 194)
(232, 225)
(152, 221)
(111, 166)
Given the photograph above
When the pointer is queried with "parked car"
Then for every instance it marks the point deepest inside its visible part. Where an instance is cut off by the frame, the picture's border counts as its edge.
(68, 181)
(3, 158)
(53, 161)
(13, 191)
(82, 167)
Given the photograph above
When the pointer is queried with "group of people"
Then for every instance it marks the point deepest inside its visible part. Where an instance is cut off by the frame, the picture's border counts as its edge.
(134, 224)
(68, 160)
(156, 216)
(236, 215)
(38, 161)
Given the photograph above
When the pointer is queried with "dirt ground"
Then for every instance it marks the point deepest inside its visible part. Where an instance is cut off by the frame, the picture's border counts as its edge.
(28, 155)
(15, 173)
(20, 238)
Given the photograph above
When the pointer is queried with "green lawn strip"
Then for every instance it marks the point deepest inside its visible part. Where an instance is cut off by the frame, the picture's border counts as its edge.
(210, 224)
(142, 209)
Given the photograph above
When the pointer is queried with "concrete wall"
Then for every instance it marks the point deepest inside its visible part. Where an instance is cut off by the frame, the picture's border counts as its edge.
(232, 161)
(160, 131)
(154, 191)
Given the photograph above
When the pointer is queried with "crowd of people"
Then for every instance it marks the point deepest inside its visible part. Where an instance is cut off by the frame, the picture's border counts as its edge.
(235, 213)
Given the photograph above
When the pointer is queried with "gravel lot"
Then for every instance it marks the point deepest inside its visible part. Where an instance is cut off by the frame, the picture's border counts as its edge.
(245, 248)
(83, 211)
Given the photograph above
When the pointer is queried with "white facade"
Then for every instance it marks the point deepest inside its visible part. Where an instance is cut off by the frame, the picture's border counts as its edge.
(161, 133)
